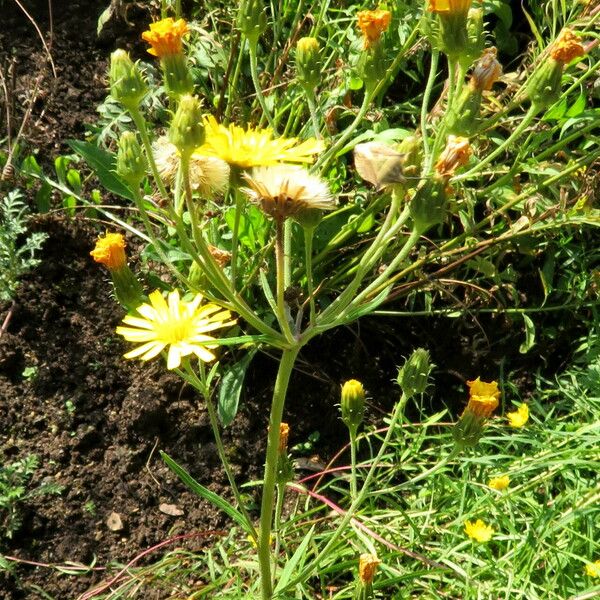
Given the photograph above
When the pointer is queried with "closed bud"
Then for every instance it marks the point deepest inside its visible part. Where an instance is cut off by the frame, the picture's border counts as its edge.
(352, 404)
(475, 38)
(413, 376)
(187, 131)
(371, 66)
(127, 84)
(463, 115)
(308, 62)
(131, 163)
(251, 19)
(178, 79)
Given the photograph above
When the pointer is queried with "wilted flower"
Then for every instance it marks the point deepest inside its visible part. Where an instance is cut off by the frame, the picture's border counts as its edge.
(487, 71)
(373, 23)
(367, 565)
(165, 37)
(110, 251)
(479, 531)
(499, 483)
(179, 325)
(519, 417)
(593, 569)
(566, 47)
(455, 155)
(254, 147)
(284, 433)
(287, 190)
(483, 397)
(379, 164)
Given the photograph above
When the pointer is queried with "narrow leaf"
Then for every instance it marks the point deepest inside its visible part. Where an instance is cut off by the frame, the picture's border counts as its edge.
(231, 388)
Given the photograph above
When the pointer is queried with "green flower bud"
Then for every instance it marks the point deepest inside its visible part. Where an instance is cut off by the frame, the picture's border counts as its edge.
(412, 149)
(475, 38)
(131, 162)
(464, 113)
(353, 403)
(428, 206)
(543, 87)
(308, 62)
(178, 79)
(187, 131)
(127, 84)
(372, 65)
(308, 218)
(413, 376)
(128, 289)
(252, 19)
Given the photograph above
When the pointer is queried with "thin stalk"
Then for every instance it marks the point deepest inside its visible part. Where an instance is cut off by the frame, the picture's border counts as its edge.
(529, 116)
(312, 109)
(140, 123)
(280, 264)
(310, 286)
(286, 364)
(236, 75)
(240, 204)
(280, 491)
(287, 253)
(353, 484)
(259, 93)
(435, 55)
(214, 423)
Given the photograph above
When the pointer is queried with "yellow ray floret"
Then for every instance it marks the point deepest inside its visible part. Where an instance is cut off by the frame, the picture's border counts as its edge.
(593, 569)
(245, 148)
(174, 324)
(499, 483)
(479, 531)
(483, 398)
(519, 417)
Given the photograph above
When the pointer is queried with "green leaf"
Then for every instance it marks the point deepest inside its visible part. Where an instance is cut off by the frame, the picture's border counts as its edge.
(577, 107)
(231, 388)
(42, 197)
(290, 565)
(103, 164)
(529, 335)
(205, 493)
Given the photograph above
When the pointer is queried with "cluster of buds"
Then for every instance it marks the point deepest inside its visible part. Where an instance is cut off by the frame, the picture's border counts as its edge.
(371, 65)
(483, 401)
(110, 252)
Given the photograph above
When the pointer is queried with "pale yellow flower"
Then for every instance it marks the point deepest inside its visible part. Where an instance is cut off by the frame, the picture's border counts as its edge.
(479, 531)
(519, 417)
(179, 325)
(367, 565)
(165, 36)
(110, 251)
(373, 23)
(593, 569)
(287, 190)
(499, 483)
(245, 148)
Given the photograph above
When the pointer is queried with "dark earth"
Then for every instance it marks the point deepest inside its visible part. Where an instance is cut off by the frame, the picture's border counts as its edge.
(97, 422)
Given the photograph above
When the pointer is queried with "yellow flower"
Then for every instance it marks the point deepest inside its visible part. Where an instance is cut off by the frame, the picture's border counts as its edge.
(254, 147)
(180, 325)
(499, 483)
(165, 37)
(483, 398)
(373, 23)
(519, 417)
(110, 251)
(566, 47)
(452, 7)
(367, 565)
(456, 154)
(479, 531)
(593, 569)
(287, 190)
(208, 174)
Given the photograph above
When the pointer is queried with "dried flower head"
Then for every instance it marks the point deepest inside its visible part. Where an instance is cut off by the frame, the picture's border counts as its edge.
(179, 325)
(165, 37)
(367, 565)
(479, 531)
(254, 147)
(519, 417)
(566, 47)
(110, 251)
(487, 70)
(499, 483)
(287, 190)
(483, 398)
(208, 174)
(284, 434)
(222, 257)
(455, 155)
(373, 23)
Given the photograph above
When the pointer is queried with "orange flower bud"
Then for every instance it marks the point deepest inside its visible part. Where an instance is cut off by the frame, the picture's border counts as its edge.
(483, 398)
(566, 47)
(373, 23)
(165, 37)
(110, 251)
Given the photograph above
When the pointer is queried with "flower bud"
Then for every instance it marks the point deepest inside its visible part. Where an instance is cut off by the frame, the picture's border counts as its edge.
(475, 38)
(464, 113)
(131, 163)
(412, 149)
(308, 62)
(178, 79)
(251, 19)
(352, 404)
(127, 84)
(428, 205)
(371, 66)
(187, 131)
(413, 376)
(373, 23)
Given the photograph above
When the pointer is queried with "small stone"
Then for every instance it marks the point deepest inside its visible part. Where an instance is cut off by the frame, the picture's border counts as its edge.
(114, 522)
(170, 509)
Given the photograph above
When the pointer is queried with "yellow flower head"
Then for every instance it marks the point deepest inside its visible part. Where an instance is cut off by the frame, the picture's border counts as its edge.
(483, 398)
(181, 326)
(254, 147)
(373, 23)
(287, 190)
(519, 417)
(110, 251)
(367, 565)
(208, 174)
(566, 47)
(499, 483)
(479, 531)
(165, 37)
(284, 434)
(593, 569)
(451, 7)
(455, 155)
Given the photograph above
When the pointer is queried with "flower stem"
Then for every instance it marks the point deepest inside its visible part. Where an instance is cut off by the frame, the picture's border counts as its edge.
(353, 485)
(259, 94)
(310, 287)
(240, 204)
(312, 108)
(280, 264)
(286, 365)
(435, 55)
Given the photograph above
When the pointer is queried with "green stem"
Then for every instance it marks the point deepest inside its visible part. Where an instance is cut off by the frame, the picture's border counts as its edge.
(312, 109)
(310, 286)
(353, 484)
(240, 204)
(435, 55)
(529, 116)
(287, 253)
(286, 365)
(232, 87)
(280, 491)
(280, 265)
(259, 94)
